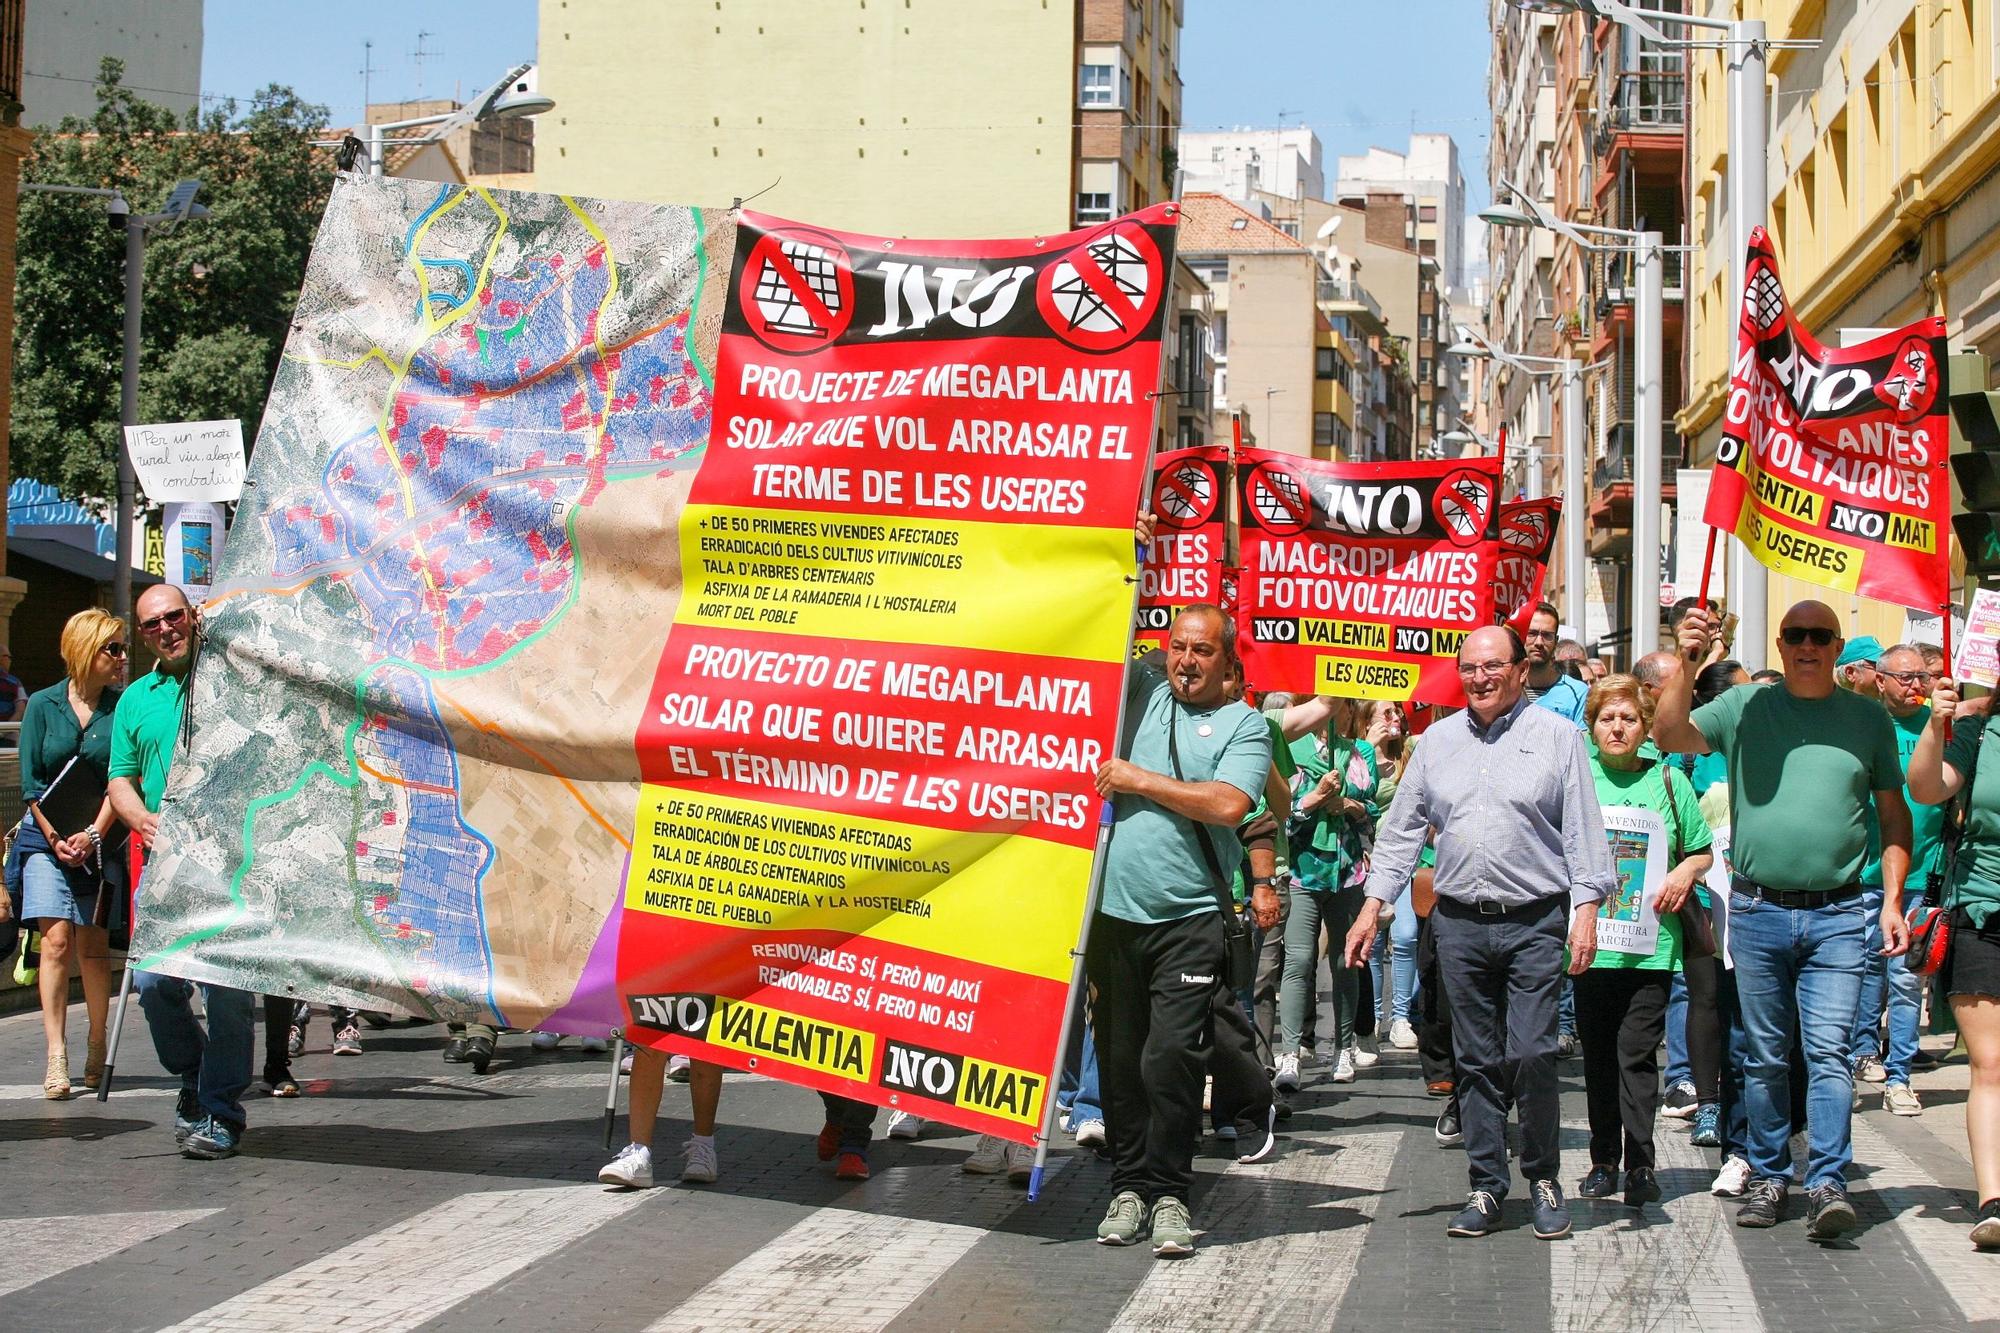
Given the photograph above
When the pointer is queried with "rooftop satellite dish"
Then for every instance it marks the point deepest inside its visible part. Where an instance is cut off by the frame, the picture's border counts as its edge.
(1328, 227)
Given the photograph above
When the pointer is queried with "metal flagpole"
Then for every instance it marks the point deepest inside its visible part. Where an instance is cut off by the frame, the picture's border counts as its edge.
(611, 1093)
(117, 1030)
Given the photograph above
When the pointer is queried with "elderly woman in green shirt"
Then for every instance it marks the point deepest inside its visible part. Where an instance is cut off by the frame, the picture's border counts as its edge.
(1621, 999)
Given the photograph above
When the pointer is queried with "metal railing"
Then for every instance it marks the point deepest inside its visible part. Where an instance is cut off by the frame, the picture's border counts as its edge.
(1346, 291)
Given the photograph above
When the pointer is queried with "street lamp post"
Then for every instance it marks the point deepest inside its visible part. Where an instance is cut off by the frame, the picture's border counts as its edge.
(1746, 48)
(180, 207)
(512, 97)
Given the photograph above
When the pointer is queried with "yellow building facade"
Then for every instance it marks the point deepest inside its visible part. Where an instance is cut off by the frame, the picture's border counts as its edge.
(1884, 176)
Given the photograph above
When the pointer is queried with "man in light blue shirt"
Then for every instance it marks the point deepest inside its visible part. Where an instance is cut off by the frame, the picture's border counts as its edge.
(1548, 685)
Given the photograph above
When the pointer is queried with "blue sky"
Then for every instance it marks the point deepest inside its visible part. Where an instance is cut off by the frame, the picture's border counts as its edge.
(1360, 72)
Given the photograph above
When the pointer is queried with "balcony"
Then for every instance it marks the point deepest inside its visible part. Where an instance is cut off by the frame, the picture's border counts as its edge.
(1345, 295)
(1610, 531)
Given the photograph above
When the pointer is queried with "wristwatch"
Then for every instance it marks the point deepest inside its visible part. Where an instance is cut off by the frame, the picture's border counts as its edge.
(1263, 882)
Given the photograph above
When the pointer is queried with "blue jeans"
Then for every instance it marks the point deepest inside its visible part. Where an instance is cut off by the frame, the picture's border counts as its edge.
(1077, 1090)
(215, 1065)
(1800, 970)
(1905, 992)
(1395, 996)
(1866, 1039)
(1566, 1009)
(1678, 1068)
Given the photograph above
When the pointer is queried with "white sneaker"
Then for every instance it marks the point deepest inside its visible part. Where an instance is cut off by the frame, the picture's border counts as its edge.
(1343, 1067)
(679, 1068)
(700, 1167)
(1090, 1134)
(1020, 1163)
(1732, 1179)
(1363, 1053)
(632, 1168)
(1901, 1099)
(594, 1045)
(1287, 1079)
(988, 1159)
(625, 1061)
(903, 1125)
(1869, 1069)
(545, 1041)
(1402, 1035)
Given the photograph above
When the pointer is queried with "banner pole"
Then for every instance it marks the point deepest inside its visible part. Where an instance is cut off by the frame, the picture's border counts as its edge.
(1944, 616)
(1067, 1033)
(611, 1092)
(117, 1030)
(1708, 564)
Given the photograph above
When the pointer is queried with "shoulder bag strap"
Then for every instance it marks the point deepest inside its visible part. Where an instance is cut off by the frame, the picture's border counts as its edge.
(1961, 811)
(1217, 882)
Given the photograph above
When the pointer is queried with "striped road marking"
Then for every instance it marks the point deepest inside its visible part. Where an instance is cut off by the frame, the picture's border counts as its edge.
(1265, 1281)
(1621, 1270)
(410, 1273)
(39, 1248)
(1911, 1196)
(840, 1271)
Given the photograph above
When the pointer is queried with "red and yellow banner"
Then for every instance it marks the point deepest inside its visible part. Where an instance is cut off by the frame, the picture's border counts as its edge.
(864, 837)
(1361, 579)
(1183, 565)
(1831, 466)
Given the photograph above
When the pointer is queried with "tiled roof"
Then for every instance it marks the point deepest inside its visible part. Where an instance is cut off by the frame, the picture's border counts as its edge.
(1211, 223)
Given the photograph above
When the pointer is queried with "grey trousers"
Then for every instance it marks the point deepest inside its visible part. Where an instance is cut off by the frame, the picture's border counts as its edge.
(1504, 974)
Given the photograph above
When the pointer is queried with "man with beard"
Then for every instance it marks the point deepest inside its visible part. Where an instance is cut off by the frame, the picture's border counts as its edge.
(1158, 955)
(1549, 686)
(214, 1068)
(1506, 790)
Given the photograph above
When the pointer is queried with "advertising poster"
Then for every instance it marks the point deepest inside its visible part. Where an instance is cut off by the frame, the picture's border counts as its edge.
(1183, 565)
(1979, 642)
(1832, 462)
(1361, 579)
(678, 620)
(1628, 921)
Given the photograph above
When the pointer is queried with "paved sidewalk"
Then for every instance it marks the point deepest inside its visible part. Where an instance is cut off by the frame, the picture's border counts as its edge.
(404, 1193)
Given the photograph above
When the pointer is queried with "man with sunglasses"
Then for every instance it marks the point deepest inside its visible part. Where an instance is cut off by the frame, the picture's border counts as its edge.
(1905, 681)
(1520, 843)
(214, 1068)
(1807, 763)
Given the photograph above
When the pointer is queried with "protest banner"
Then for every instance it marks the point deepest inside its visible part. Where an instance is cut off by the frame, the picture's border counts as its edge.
(1361, 579)
(1527, 535)
(188, 460)
(728, 615)
(1831, 466)
(866, 832)
(1978, 660)
(1183, 563)
(1629, 920)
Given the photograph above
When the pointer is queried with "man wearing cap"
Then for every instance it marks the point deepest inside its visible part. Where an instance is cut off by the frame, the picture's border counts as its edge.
(1805, 761)
(1856, 667)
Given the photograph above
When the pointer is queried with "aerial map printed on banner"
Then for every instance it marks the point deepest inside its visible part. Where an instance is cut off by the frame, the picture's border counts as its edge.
(636, 617)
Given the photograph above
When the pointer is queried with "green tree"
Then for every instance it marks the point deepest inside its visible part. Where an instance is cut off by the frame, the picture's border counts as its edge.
(219, 292)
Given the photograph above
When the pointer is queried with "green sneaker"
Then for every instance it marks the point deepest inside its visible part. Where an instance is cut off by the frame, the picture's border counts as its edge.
(1172, 1233)
(1124, 1222)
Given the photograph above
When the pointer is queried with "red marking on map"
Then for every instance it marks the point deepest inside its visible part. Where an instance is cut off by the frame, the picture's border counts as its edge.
(1278, 498)
(797, 290)
(1103, 294)
(1184, 497)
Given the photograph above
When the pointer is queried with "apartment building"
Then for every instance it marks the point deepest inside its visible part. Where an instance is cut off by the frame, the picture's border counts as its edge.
(1243, 163)
(1429, 174)
(920, 117)
(1883, 170)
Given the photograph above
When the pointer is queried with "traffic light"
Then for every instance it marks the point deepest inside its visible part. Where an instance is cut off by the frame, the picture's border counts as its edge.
(1975, 462)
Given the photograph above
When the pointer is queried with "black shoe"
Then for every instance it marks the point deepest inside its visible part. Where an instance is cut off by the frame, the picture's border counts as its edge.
(1284, 1109)
(1601, 1183)
(1551, 1214)
(1986, 1229)
(1828, 1213)
(1448, 1133)
(1763, 1203)
(478, 1052)
(1480, 1218)
(454, 1051)
(1641, 1187)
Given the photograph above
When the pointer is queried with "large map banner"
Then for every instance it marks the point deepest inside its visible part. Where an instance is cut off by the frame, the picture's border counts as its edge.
(621, 594)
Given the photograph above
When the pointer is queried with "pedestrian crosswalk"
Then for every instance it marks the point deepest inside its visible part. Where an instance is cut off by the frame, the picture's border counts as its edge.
(1344, 1228)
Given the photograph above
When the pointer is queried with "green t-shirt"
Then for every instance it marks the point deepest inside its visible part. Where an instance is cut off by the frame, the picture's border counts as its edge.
(1802, 778)
(1687, 833)
(143, 731)
(1926, 821)
(1281, 758)
(1154, 871)
(1978, 871)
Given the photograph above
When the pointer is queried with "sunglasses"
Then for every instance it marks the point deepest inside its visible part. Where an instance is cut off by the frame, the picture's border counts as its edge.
(173, 617)
(115, 650)
(1794, 635)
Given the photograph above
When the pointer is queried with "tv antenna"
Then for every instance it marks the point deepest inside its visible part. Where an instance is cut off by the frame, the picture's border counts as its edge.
(420, 56)
(367, 71)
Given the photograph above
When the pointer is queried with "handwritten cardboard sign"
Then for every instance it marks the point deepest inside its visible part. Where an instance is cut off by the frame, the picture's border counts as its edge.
(188, 460)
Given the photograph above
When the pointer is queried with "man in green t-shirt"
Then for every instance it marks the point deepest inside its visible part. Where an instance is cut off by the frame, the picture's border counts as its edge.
(1192, 765)
(214, 1069)
(1805, 760)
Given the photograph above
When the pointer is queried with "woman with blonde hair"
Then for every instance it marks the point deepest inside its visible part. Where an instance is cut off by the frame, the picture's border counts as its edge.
(72, 879)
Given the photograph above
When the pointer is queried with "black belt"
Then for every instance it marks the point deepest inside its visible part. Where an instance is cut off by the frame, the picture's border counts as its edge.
(1794, 899)
(1488, 907)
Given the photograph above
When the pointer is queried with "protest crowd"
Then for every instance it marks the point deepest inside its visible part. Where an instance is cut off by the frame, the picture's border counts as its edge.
(1457, 884)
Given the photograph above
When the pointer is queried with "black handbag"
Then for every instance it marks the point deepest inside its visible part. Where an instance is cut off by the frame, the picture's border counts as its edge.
(1239, 948)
